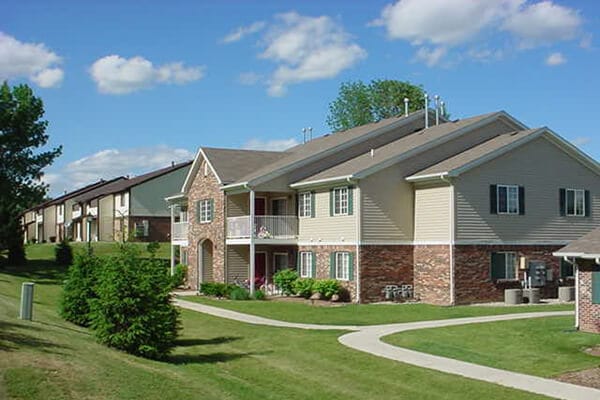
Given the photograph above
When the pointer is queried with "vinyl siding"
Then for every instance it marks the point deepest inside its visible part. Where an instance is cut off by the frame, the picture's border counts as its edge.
(237, 205)
(432, 213)
(238, 261)
(325, 228)
(49, 222)
(105, 216)
(542, 168)
(148, 198)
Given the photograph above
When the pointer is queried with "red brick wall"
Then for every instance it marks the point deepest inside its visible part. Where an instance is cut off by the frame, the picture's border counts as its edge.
(589, 314)
(382, 265)
(159, 229)
(432, 274)
(472, 271)
(323, 253)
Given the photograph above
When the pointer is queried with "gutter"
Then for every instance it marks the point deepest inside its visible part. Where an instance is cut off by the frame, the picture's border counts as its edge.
(349, 178)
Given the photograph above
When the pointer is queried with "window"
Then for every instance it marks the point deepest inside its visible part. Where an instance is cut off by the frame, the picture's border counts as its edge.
(205, 210)
(504, 265)
(305, 206)
(279, 206)
(566, 269)
(508, 199)
(575, 202)
(340, 201)
(142, 228)
(184, 257)
(280, 261)
(342, 266)
(306, 264)
(122, 200)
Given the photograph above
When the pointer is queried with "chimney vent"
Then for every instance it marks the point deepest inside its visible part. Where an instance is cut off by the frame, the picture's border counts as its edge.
(426, 111)
(172, 163)
(437, 109)
(372, 153)
(406, 100)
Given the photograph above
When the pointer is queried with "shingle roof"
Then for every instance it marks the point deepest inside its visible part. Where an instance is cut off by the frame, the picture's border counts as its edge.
(588, 245)
(76, 192)
(476, 152)
(121, 184)
(394, 149)
(232, 164)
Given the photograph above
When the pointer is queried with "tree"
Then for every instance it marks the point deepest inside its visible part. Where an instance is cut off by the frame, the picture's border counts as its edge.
(22, 134)
(358, 103)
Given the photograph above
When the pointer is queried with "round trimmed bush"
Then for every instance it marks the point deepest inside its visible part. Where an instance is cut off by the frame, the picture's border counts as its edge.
(304, 287)
(285, 279)
(239, 293)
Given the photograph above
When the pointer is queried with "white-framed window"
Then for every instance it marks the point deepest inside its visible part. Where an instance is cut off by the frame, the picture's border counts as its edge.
(340, 201)
(508, 199)
(205, 210)
(503, 265)
(575, 202)
(305, 204)
(306, 263)
(122, 200)
(342, 266)
(142, 228)
(280, 261)
(61, 209)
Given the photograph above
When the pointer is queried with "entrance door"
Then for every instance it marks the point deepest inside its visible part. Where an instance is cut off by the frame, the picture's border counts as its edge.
(279, 206)
(260, 206)
(260, 268)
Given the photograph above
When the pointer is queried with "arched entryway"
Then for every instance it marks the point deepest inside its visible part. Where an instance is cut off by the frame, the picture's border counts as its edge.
(205, 264)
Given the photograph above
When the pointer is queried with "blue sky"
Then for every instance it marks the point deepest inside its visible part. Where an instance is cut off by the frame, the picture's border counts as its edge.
(130, 87)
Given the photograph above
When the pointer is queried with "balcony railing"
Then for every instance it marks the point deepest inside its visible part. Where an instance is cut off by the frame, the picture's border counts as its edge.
(180, 231)
(265, 227)
(76, 213)
(39, 218)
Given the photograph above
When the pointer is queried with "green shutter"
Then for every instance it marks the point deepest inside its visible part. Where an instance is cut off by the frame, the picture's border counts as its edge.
(351, 266)
(312, 204)
(562, 195)
(331, 202)
(596, 287)
(198, 211)
(332, 265)
(212, 209)
(498, 269)
(566, 268)
(493, 199)
(350, 200)
(587, 203)
(313, 257)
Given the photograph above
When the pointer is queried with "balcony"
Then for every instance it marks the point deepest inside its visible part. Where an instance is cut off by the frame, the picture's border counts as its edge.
(76, 213)
(60, 218)
(180, 232)
(39, 218)
(266, 227)
(93, 211)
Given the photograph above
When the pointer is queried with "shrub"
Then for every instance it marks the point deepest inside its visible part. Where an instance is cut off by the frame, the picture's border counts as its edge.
(304, 287)
(327, 287)
(152, 248)
(285, 279)
(63, 253)
(179, 275)
(239, 293)
(259, 295)
(133, 310)
(79, 288)
(216, 289)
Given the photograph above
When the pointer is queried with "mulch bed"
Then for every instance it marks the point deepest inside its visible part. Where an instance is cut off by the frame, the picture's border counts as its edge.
(587, 377)
(317, 303)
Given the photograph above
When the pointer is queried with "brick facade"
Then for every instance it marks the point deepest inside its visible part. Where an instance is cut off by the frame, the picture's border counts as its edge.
(432, 274)
(159, 229)
(382, 265)
(323, 254)
(206, 187)
(589, 313)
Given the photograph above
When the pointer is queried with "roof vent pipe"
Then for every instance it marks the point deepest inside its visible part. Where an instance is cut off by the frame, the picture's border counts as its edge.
(307, 133)
(372, 153)
(442, 109)
(426, 111)
(437, 109)
(406, 100)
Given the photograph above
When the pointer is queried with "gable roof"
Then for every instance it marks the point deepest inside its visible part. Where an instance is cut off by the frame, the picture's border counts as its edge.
(587, 246)
(495, 147)
(404, 147)
(66, 196)
(121, 184)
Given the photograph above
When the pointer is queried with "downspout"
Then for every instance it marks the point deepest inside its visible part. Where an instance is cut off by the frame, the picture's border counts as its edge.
(353, 182)
(576, 272)
(444, 177)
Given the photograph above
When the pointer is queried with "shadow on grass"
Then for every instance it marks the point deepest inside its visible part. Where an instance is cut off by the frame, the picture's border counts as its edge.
(201, 342)
(40, 271)
(180, 359)
(13, 339)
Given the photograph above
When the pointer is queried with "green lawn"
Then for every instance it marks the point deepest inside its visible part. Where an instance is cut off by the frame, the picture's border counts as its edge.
(215, 359)
(45, 251)
(364, 314)
(545, 347)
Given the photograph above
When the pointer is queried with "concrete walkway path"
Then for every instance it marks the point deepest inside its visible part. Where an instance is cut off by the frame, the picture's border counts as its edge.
(368, 340)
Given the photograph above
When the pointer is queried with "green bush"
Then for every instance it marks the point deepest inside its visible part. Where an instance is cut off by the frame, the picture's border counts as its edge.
(304, 287)
(259, 295)
(327, 287)
(216, 289)
(239, 293)
(63, 253)
(133, 310)
(152, 248)
(285, 279)
(79, 288)
(179, 275)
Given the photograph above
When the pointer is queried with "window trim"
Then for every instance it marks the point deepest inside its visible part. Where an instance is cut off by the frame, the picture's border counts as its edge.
(505, 279)
(507, 212)
(341, 213)
(205, 211)
(301, 204)
(308, 267)
(346, 258)
(575, 191)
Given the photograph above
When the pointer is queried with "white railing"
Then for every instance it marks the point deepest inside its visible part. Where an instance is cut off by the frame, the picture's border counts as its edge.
(60, 218)
(265, 227)
(76, 213)
(39, 218)
(180, 231)
(93, 211)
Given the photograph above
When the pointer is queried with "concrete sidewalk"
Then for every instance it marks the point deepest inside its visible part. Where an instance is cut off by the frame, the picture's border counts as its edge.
(368, 339)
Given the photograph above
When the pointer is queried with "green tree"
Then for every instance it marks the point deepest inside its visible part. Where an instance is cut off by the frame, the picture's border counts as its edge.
(358, 103)
(22, 134)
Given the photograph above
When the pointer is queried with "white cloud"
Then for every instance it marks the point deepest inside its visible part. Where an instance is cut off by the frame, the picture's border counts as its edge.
(249, 78)
(307, 49)
(555, 59)
(430, 57)
(110, 163)
(272, 145)
(239, 33)
(117, 75)
(31, 60)
(543, 23)
(586, 41)
(581, 140)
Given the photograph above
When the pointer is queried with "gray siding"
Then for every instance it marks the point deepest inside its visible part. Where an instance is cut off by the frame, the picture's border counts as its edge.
(148, 198)
(542, 168)
(238, 261)
(237, 205)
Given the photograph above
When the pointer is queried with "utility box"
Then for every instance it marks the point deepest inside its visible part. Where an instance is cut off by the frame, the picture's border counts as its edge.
(26, 311)
(537, 273)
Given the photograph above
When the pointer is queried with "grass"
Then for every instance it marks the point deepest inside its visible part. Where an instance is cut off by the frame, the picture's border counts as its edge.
(544, 347)
(45, 251)
(215, 359)
(363, 314)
